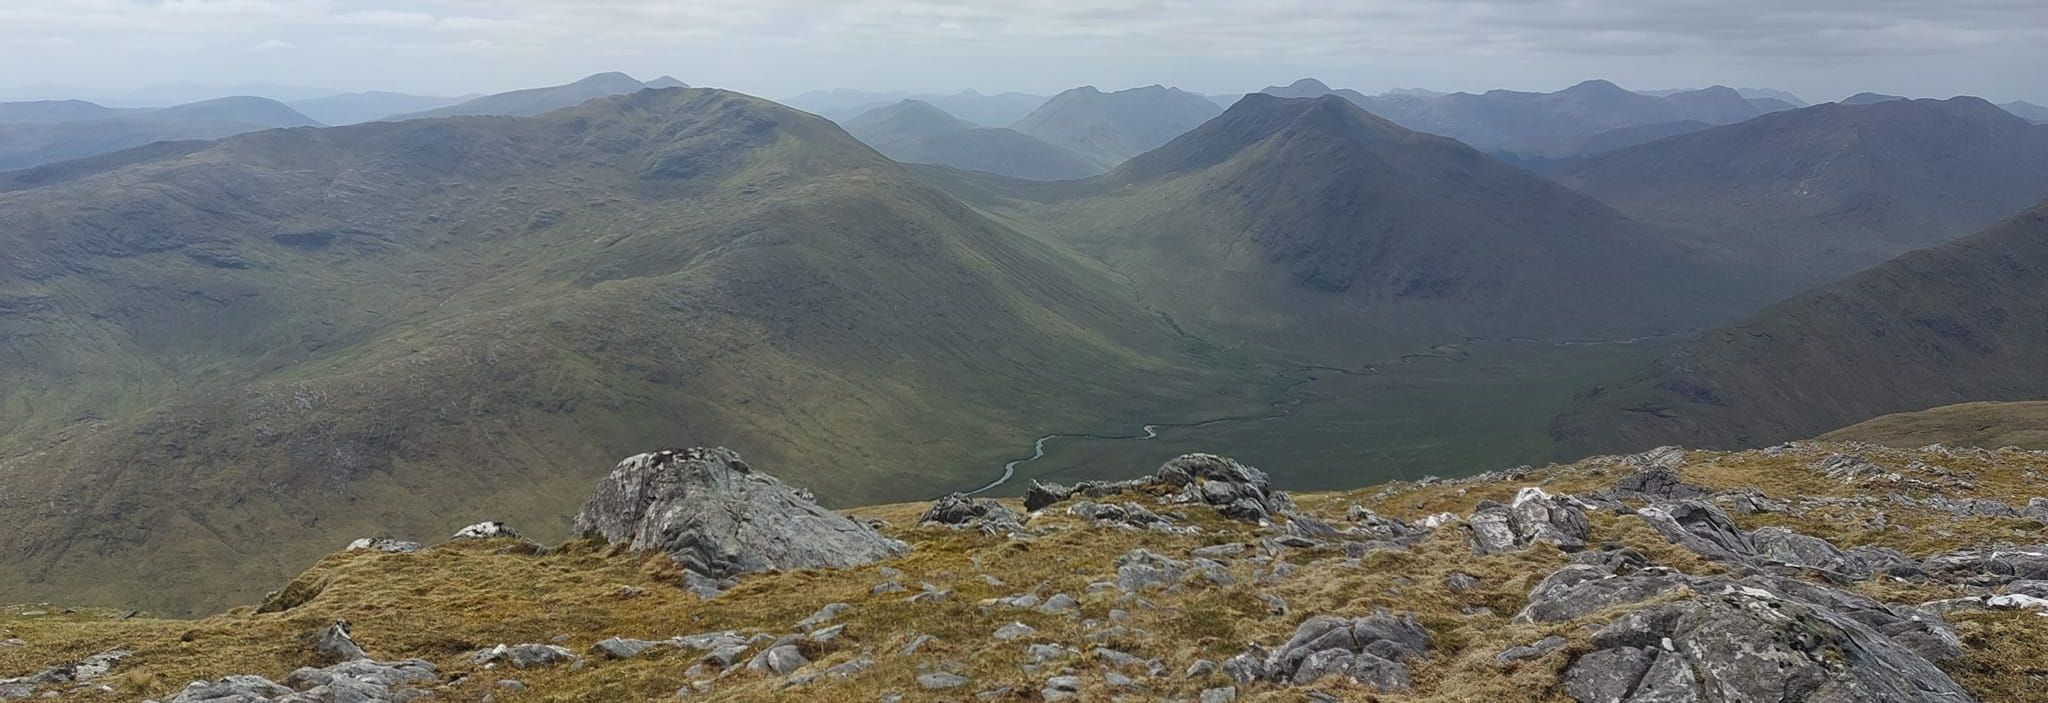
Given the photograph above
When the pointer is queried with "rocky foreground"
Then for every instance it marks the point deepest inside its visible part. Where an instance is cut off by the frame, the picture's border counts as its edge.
(1804, 572)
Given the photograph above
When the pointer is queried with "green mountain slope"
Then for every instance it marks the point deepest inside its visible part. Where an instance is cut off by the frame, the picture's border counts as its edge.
(218, 361)
(1311, 226)
(913, 131)
(1960, 322)
(1821, 192)
(1109, 128)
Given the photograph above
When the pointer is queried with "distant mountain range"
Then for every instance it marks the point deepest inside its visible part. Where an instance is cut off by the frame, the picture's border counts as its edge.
(2027, 111)
(354, 108)
(41, 132)
(998, 110)
(1817, 193)
(1523, 124)
(535, 101)
(1963, 321)
(913, 131)
(1110, 128)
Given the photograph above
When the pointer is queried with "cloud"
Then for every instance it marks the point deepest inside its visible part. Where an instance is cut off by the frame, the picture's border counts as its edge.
(806, 40)
(272, 45)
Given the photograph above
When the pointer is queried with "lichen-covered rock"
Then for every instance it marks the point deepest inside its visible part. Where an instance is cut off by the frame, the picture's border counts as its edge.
(1240, 492)
(1535, 516)
(1658, 478)
(522, 656)
(233, 689)
(716, 517)
(1989, 567)
(1747, 642)
(1582, 589)
(1371, 650)
(1700, 527)
(336, 646)
(1787, 547)
(959, 510)
(1141, 570)
(487, 530)
(70, 674)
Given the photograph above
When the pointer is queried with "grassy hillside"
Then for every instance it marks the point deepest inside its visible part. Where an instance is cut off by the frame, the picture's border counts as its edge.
(237, 354)
(448, 600)
(2010, 424)
(1815, 194)
(1959, 322)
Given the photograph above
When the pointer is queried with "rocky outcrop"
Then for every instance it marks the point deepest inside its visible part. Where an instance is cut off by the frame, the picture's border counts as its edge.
(1371, 650)
(1238, 491)
(1700, 527)
(1747, 642)
(958, 510)
(1989, 567)
(1535, 516)
(336, 646)
(72, 674)
(358, 681)
(522, 656)
(718, 518)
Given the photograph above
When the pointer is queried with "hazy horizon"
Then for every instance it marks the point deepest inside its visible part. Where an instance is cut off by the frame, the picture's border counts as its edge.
(1821, 50)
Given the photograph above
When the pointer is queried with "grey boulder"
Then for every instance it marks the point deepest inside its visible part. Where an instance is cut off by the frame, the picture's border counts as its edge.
(716, 517)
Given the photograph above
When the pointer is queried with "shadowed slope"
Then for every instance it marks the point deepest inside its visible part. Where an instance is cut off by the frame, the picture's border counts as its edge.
(1963, 321)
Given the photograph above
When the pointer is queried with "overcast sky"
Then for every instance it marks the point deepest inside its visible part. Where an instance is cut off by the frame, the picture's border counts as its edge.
(1821, 49)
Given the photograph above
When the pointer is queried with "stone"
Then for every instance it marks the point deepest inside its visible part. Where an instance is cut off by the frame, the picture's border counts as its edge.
(1581, 589)
(1537, 516)
(621, 648)
(1014, 631)
(1794, 549)
(1700, 527)
(916, 643)
(1040, 495)
(1221, 694)
(1460, 582)
(960, 511)
(1657, 482)
(487, 530)
(1220, 551)
(716, 517)
(828, 613)
(941, 680)
(384, 544)
(1059, 604)
(365, 681)
(1238, 491)
(1534, 650)
(1989, 567)
(232, 689)
(1371, 650)
(1753, 640)
(780, 660)
(1141, 570)
(335, 645)
(523, 656)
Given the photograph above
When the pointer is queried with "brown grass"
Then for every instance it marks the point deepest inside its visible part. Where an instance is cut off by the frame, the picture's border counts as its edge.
(448, 600)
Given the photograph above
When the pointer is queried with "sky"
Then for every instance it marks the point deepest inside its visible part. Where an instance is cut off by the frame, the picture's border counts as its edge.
(1820, 49)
